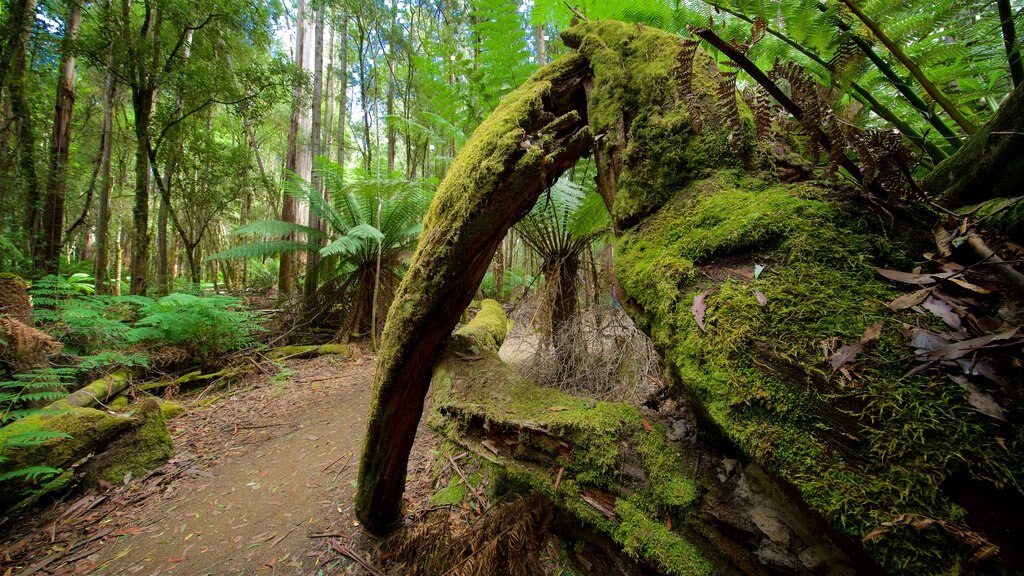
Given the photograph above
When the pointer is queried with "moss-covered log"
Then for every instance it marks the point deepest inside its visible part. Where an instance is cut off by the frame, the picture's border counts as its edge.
(613, 470)
(747, 285)
(536, 133)
(309, 351)
(98, 392)
(98, 444)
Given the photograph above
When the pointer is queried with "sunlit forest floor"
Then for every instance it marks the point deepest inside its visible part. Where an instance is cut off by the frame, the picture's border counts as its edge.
(261, 481)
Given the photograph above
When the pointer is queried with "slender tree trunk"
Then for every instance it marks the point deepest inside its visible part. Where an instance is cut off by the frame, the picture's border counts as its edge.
(364, 91)
(343, 91)
(20, 34)
(286, 271)
(48, 257)
(542, 46)
(174, 149)
(1010, 42)
(142, 103)
(328, 124)
(118, 257)
(313, 260)
(106, 157)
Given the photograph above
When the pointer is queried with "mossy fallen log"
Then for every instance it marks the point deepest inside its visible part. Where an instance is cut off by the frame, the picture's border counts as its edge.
(748, 282)
(98, 392)
(614, 471)
(310, 351)
(88, 442)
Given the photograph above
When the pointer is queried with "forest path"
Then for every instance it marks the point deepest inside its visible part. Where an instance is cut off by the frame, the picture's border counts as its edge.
(281, 459)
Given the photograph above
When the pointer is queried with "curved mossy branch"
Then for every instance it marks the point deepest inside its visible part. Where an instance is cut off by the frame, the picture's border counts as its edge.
(536, 133)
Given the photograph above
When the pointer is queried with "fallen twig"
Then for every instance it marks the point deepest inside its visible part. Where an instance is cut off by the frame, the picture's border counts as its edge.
(351, 554)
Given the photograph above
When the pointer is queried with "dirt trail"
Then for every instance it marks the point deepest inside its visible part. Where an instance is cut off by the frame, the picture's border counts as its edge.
(282, 463)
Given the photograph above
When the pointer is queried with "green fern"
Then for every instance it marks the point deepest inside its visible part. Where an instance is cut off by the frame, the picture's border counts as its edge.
(207, 325)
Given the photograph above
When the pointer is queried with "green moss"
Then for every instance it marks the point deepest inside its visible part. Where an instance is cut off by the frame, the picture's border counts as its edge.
(583, 436)
(171, 410)
(642, 537)
(147, 447)
(310, 350)
(488, 327)
(635, 97)
(859, 451)
(119, 403)
(84, 430)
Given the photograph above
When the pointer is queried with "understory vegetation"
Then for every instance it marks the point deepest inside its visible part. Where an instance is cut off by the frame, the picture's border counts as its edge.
(763, 316)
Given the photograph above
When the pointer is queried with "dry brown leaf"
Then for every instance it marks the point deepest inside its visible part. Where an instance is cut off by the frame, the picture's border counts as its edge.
(911, 278)
(960, 349)
(872, 334)
(969, 286)
(761, 298)
(846, 354)
(699, 308)
(982, 401)
(943, 310)
(943, 240)
(910, 299)
(646, 424)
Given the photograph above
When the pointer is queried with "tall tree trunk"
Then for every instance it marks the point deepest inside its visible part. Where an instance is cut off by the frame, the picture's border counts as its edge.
(174, 149)
(286, 272)
(21, 18)
(313, 260)
(20, 34)
(542, 46)
(106, 183)
(364, 90)
(48, 257)
(142, 104)
(343, 90)
(328, 124)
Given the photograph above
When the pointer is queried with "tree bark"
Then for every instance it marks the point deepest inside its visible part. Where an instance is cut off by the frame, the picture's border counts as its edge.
(313, 260)
(106, 183)
(990, 164)
(142, 104)
(48, 257)
(455, 251)
(286, 271)
(22, 20)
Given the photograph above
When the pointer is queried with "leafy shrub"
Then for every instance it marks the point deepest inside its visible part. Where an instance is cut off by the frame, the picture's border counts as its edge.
(207, 325)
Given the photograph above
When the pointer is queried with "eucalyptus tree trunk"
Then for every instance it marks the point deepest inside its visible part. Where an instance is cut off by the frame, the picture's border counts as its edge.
(343, 91)
(298, 151)
(176, 144)
(20, 34)
(48, 257)
(106, 183)
(313, 260)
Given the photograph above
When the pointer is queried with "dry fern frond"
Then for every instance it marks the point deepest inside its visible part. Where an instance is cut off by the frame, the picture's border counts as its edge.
(506, 541)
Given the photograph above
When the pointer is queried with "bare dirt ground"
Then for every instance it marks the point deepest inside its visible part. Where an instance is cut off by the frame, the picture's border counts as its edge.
(262, 483)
